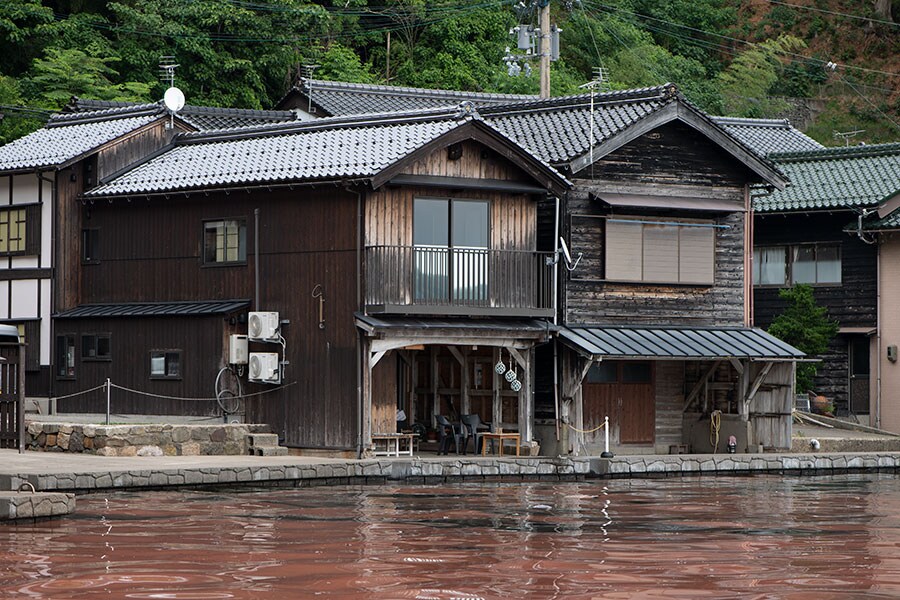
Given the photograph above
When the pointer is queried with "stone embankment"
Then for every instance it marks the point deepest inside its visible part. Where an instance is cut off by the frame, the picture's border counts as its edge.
(142, 440)
(35, 505)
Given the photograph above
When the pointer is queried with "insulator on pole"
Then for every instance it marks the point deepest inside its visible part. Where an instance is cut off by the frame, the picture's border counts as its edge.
(524, 41)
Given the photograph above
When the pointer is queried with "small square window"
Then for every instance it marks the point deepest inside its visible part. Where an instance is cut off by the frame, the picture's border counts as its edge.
(636, 372)
(65, 356)
(224, 242)
(165, 364)
(603, 372)
(95, 346)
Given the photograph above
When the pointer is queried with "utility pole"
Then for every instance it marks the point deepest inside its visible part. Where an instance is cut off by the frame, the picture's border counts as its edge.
(545, 48)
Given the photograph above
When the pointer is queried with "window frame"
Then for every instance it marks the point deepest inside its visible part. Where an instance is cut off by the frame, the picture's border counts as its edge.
(789, 251)
(644, 223)
(242, 233)
(97, 337)
(166, 352)
(22, 229)
(70, 344)
(92, 258)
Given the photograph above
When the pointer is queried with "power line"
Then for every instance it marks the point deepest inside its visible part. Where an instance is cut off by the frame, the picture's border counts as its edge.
(872, 104)
(835, 13)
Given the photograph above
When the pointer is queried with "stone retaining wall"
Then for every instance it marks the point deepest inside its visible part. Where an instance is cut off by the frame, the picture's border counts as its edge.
(29, 505)
(141, 440)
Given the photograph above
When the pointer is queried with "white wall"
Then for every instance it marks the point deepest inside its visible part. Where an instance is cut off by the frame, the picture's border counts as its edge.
(24, 299)
(45, 322)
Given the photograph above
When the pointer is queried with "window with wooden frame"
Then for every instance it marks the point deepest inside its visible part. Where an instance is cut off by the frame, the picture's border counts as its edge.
(20, 229)
(95, 346)
(65, 356)
(90, 246)
(660, 252)
(165, 364)
(813, 264)
(225, 242)
(620, 371)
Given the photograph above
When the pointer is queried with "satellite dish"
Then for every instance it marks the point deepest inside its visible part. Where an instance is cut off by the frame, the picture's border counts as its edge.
(173, 99)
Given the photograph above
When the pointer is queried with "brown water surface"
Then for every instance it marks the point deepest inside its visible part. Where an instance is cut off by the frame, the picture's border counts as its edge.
(752, 537)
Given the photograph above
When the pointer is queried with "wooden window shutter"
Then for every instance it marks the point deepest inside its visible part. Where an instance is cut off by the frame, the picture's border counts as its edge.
(660, 252)
(33, 348)
(624, 251)
(696, 255)
(33, 229)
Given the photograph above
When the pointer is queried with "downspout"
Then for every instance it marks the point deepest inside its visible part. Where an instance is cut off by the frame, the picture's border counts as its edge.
(360, 345)
(53, 215)
(878, 337)
(556, 313)
(748, 259)
(256, 305)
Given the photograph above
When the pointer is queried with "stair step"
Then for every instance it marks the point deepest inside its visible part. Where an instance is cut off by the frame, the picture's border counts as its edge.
(260, 440)
(268, 451)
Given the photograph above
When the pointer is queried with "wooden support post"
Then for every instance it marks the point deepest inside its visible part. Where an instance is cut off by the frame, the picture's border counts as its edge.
(435, 398)
(743, 388)
(414, 376)
(526, 399)
(496, 406)
(700, 385)
(20, 398)
(366, 395)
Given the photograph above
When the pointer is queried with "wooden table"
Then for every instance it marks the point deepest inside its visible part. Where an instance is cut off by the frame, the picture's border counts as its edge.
(485, 437)
(392, 444)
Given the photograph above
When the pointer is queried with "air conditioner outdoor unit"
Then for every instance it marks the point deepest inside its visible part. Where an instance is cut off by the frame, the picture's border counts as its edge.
(263, 327)
(264, 367)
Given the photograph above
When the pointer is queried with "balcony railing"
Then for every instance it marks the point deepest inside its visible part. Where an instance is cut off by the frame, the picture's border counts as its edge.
(440, 280)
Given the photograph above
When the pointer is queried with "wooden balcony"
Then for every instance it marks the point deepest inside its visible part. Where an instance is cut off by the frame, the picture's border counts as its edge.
(430, 280)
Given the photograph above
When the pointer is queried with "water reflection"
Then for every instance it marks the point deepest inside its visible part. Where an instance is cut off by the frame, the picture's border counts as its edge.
(752, 537)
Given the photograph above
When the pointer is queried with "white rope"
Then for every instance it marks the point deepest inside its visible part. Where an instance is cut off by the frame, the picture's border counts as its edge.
(99, 387)
(140, 393)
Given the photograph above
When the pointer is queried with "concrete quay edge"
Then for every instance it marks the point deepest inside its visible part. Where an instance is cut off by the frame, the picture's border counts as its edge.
(85, 473)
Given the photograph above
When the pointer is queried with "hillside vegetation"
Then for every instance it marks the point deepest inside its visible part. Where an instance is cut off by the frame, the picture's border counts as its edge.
(757, 58)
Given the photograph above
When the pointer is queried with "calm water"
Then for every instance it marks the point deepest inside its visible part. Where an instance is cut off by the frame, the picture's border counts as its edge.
(755, 537)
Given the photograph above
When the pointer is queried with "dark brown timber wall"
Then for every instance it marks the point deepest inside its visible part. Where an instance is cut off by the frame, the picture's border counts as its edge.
(151, 250)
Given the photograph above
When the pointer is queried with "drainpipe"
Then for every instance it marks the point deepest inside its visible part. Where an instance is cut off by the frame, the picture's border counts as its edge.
(256, 258)
(556, 313)
(878, 337)
(53, 194)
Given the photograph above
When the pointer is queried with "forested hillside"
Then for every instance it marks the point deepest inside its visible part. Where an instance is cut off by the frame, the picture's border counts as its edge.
(758, 58)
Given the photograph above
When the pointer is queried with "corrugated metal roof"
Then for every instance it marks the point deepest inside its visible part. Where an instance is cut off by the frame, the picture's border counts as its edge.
(384, 323)
(155, 309)
(855, 176)
(339, 98)
(65, 139)
(767, 136)
(678, 342)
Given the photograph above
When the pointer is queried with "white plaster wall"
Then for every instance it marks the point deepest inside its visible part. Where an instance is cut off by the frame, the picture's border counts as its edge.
(4, 190)
(24, 262)
(889, 276)
(47, 226)
(4, 299)
(24, 299)
(45, 322)
(25, 189)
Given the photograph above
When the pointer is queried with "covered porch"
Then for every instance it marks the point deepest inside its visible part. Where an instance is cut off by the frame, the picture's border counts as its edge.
(674, 390)
(429, 367)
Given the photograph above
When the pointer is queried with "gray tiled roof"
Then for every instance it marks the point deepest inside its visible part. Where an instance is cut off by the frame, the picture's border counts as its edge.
(678, 342)
(155, 309)
(767, 136)
(201, 117)
(338, 98)
(854, 176)
(310, 151)
(66, 138)
(558, 129)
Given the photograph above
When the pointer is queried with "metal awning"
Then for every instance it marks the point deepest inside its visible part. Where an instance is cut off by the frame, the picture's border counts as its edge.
(155, 309)
(669, 202)
(693, 343)
(401, 324)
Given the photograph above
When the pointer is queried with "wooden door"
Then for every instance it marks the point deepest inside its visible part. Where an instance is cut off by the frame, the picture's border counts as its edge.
(859, 374)
(624, 391)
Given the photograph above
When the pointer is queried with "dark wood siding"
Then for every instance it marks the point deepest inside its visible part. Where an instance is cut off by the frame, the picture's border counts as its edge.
(151, 250)
(853, 302)
(67, 259)
(129, 149)
(590, 299)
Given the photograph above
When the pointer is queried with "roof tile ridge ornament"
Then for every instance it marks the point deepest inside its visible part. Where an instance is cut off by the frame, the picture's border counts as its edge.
(467, 111)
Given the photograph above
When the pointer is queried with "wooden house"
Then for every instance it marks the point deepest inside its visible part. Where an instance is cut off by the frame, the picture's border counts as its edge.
(400, 253)
(806, 233)
(42, 176)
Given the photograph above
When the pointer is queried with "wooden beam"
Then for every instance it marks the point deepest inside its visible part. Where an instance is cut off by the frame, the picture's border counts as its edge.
(738, 365)
(700, 385)
(758, 382)
(456, 354)
(376, 356)
(414, 377)
(367, 396)
(496, 407)
(516, 355)
(392, 343)
(435, 399)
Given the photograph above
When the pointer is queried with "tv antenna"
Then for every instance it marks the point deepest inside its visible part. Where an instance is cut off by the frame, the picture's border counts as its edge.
(173, 98)
(847, 135)
(306, 72)
(600, 80)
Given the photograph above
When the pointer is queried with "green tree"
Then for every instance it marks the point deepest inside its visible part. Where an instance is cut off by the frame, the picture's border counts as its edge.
(15, 122)
(19, 20)
(340, 63)
(806, 326)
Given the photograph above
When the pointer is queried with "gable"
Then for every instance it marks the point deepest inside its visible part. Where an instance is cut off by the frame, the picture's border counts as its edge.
(469, 159)
(673, 153)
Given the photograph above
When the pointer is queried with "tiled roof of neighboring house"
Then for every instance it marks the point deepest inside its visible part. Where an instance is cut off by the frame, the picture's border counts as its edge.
(768, 136)
(321, 150)
(338, 98)
(66, 138)
(830, 178)
(201, 117)
(155, 309)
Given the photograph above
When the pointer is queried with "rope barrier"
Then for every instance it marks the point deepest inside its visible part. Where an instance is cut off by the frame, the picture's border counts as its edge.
(163, 397)
(573, 428)
(99, 387)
